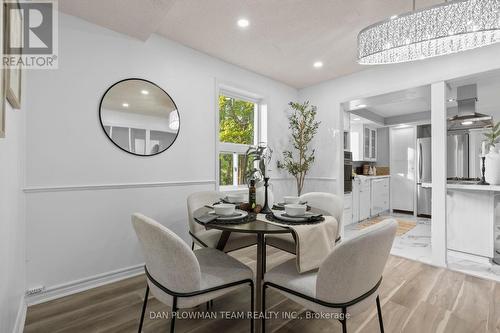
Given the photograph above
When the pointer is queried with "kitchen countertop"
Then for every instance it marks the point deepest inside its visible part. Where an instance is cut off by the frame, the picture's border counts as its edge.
(471, 187)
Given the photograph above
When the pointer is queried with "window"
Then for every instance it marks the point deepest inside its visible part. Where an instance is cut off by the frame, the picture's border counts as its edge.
(239, 128)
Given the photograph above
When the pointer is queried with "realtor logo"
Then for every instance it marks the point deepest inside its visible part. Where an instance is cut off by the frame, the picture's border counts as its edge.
(31, 34)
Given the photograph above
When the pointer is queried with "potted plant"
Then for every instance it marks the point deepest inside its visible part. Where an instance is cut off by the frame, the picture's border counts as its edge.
(492, 159)
(303, 127)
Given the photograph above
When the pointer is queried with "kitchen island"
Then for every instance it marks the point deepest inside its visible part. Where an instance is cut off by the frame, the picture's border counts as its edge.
(472, 216)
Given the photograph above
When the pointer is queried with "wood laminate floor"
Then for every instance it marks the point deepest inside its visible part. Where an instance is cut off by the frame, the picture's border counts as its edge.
(415, 298)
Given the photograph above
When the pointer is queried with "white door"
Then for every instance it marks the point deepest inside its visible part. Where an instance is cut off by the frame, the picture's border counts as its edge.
(402, 166)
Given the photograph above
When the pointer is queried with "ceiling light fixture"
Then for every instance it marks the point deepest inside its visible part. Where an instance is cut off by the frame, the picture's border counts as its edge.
(318, 64)
(356, 119)
(361, 106)
(243, 23)
(144, 92)
(466, 123)
(450, 100)
(125, 105)
(446, 28)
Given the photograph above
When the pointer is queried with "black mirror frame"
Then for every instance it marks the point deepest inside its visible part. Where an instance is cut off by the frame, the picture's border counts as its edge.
(150, 82)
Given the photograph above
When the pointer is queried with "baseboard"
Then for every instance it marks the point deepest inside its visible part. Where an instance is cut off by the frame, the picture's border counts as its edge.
(77, 286)
(21, 317)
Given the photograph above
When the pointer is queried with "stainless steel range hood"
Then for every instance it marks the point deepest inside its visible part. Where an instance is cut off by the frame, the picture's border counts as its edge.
(467, 117)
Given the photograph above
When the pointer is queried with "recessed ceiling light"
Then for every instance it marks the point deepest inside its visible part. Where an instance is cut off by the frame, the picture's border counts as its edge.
(125, 105)
(450, 99)
(144, 92)
(403, 126)
(356, 119)
(360, 106)
(318, 64)
(243, 23)
(465, 123)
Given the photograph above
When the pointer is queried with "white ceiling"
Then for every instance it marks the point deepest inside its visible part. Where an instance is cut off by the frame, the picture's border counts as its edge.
(396, 103)
(284, 39)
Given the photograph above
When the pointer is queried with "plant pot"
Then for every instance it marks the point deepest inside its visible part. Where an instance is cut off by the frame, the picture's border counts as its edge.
(492, 167)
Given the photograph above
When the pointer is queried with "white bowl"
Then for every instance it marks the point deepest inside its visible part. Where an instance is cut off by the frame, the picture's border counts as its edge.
(224, 209)
(291, 199)
(295, 209)
(235, 198)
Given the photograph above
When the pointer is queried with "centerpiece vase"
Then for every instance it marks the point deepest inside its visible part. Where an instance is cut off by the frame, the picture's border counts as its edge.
(492, 167)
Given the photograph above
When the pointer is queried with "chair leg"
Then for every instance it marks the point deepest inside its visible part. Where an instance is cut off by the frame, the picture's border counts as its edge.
(252, 305)
(263, 320)
(144, 308)
(265, 256)
(174, 314)
(344, 320)
(380, 320)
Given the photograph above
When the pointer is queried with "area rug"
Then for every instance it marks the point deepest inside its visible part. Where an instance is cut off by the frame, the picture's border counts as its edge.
(403, 225)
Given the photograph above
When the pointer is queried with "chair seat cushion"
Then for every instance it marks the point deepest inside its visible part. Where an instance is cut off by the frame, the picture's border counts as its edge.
(286, 275)
(284, 242)
(236, 240)
(217, 268)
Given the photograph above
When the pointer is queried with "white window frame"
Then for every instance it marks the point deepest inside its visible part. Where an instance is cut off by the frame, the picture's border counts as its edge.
(260, 123)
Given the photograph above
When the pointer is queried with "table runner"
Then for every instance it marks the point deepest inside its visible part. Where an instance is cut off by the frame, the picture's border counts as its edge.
(313, 241)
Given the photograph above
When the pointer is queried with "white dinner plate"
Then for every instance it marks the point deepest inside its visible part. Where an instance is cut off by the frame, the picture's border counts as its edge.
(238, 214)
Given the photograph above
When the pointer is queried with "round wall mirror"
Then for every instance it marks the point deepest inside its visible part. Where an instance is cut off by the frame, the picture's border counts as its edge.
(139, 117)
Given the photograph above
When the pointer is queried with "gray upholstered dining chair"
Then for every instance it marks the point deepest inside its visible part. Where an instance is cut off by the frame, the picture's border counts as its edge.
(327, 202)
(210, 238)
(182, 278)
(346, 282)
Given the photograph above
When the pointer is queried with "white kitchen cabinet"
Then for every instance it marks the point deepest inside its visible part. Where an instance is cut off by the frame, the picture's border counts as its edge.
(355, 199)
(364, 198)
(363, 143)
(379, 196)
(347, 218)
(470, 220)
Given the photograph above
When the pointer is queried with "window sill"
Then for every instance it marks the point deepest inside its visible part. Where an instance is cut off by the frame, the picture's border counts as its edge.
(234, 189)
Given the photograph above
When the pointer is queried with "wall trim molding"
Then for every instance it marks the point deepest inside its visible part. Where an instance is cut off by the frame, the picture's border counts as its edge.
(87, 283)
(21, 317)
(327, 179)
(41, 189)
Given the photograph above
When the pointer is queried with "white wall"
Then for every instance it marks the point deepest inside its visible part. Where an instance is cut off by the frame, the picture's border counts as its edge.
(12, 227)
(379, 80)
(77, 226)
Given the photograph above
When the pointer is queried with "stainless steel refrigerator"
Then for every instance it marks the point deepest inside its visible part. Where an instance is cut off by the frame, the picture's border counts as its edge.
(458, 155)
(424, 175)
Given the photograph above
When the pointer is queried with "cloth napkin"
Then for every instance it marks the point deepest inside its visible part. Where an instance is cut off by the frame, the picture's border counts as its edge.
(313, 241)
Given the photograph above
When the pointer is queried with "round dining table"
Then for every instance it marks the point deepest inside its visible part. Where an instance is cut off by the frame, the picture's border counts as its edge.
(260, 227)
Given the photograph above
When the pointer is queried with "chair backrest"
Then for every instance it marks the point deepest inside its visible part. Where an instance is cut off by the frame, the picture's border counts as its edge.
(168, 258)
(328, 202)
(198, 200)
(356, 265)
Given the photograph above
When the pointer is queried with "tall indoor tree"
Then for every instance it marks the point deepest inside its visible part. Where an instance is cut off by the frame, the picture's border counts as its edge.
(303, 127)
